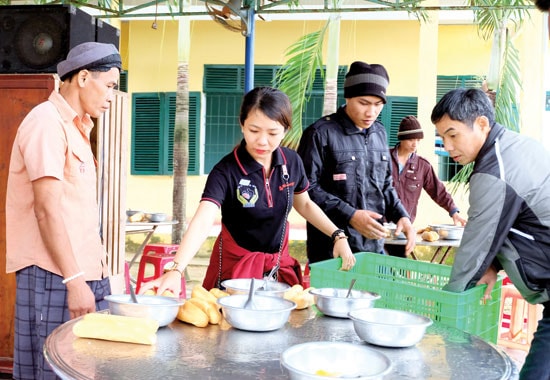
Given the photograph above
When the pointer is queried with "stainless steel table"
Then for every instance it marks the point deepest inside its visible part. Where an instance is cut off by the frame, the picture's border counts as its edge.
(221, 352)
(442, 247)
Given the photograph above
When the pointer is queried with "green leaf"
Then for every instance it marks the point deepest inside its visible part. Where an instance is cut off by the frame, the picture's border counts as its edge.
(296, 76)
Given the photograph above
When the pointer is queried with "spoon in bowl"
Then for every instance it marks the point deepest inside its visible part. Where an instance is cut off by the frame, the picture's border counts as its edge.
(249, 304)
(350, 287)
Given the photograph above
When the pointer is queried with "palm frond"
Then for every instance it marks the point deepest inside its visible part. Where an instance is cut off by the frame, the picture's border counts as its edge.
(504, 72)
(461, 178)
(296, 76)
(489, 19)
(506, 105)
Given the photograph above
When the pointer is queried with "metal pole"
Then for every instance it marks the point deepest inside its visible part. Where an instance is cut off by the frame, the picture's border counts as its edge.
(249, 53)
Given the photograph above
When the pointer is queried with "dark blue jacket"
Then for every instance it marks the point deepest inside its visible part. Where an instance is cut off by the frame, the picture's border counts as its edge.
(348, 169)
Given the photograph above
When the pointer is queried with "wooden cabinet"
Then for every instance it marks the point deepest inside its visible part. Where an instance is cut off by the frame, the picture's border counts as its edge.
(18, 95)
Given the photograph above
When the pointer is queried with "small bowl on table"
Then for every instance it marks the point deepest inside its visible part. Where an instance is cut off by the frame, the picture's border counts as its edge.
(389, 328)
(156, 217)
(268, 314)
(163, 309)
(448, 231)
(321, 360)
(242, 286)
(334, 303)
(391, 227)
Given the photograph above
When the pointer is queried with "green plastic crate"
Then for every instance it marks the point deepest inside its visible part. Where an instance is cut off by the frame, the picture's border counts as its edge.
(415, 286)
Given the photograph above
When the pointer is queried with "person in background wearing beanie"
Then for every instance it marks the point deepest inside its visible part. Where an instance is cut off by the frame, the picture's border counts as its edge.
(52, 227)
(347, 161)
(509, 215)
(411, 173)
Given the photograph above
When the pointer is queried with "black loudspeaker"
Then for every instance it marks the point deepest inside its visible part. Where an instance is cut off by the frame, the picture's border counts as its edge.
(35, 38)
(107, 33)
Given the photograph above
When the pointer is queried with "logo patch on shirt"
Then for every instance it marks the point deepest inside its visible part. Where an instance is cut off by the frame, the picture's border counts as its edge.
(247, 193)
(339, 177)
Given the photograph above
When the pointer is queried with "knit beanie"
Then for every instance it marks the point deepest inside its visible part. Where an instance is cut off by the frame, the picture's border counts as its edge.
(363, 79)
(409, 129)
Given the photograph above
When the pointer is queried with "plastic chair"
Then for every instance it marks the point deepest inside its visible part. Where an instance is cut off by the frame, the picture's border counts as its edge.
(161, 248)
(522, 319)
(158, 255)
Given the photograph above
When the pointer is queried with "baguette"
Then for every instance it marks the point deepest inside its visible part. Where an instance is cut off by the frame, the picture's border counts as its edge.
(210, 309)
(192, 314)
(430, 236)
(200, 292)
(218, 293)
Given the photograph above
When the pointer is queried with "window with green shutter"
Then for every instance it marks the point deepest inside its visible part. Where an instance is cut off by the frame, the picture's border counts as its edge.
(123, 81)
(153, 116)
(224, 88)
(395, 109)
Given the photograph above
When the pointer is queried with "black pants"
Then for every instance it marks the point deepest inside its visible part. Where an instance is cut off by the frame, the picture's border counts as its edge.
(395, 250)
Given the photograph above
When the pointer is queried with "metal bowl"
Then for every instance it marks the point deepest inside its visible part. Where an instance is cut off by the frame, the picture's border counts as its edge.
(333, 301)
(163, 309)
(320, 360)
(156, 217)
(242, 286)
(270, 313)
(448, 231)
(389, 328)
(391, 229)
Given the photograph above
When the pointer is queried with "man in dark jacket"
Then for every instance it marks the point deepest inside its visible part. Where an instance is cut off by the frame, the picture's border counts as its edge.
(411, 173)
(509, 216)
(347, 161)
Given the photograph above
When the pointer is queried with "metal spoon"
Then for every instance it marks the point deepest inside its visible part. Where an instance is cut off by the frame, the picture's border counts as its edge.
(350, 287)
(270, 276)
(133, 294)
(249, 304)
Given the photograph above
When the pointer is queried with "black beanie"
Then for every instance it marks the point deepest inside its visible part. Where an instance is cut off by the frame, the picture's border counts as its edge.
(409, 129)
(363, 79)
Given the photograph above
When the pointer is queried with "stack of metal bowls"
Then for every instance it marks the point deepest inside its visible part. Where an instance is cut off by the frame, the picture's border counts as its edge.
(269, 313)
(262, 287)
(389, 328)
(335, 303)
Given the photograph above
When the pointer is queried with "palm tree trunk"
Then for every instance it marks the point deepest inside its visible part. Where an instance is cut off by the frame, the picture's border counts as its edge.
(331, 80)
(181, 133)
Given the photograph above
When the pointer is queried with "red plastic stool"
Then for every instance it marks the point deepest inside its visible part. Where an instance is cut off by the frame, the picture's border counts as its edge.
(161, 248)
(159, 262)
(164, 248)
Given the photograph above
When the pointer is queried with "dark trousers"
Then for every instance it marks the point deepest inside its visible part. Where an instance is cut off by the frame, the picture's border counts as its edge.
(537, 362)
(395, 250)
